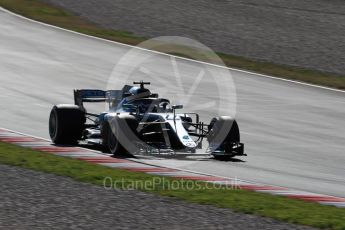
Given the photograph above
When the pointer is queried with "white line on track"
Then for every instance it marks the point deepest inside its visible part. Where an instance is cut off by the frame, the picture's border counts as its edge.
(187, 174)
(139, 161)
(170, 55)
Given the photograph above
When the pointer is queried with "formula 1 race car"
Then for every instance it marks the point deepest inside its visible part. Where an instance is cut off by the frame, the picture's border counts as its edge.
(140, 121)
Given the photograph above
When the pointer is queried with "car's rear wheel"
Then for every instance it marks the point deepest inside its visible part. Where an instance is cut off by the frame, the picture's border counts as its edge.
(66, 124)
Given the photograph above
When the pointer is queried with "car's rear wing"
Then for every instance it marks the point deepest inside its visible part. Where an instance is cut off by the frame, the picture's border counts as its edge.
(113, 97)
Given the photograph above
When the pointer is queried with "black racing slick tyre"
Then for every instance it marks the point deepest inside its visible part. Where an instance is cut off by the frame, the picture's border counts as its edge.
(110, 142)
(110, 136)
(66, 124)
(223, 134)
(216, 125)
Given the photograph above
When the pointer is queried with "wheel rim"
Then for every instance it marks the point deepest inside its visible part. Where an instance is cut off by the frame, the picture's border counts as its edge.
(52, 125)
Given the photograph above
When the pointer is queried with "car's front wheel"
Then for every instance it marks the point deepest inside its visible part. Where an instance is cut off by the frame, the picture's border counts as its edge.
(224, 137)
(111, 142)
(114, 145)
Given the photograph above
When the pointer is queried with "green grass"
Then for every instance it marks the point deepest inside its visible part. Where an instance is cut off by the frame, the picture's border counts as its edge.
(280, 208)
(54, 15)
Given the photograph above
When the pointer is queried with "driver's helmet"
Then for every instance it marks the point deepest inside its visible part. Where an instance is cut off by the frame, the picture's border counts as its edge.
(137, 90)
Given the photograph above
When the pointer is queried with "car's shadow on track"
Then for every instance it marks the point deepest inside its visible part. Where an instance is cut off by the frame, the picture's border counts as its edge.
(187, 157)
(184, 157)
(231, 160)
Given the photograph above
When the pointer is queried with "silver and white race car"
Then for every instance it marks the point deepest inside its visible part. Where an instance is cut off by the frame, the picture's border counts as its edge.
(139, 121)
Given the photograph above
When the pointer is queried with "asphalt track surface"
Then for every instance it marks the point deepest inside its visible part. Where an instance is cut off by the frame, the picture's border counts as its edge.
(294, 133)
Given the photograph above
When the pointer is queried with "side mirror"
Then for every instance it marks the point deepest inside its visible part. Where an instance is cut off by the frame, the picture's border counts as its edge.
(177, 107)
